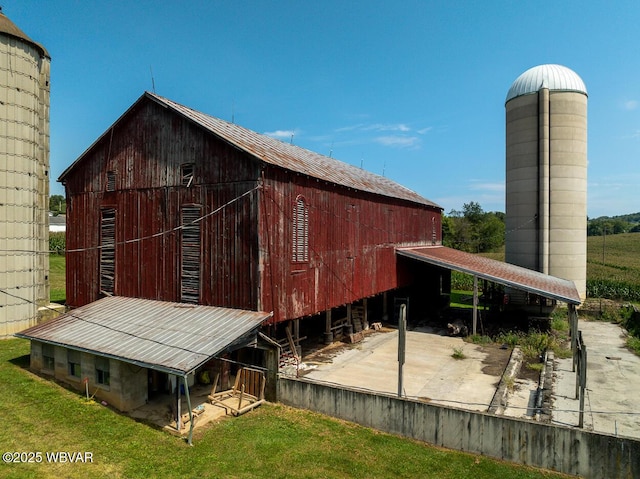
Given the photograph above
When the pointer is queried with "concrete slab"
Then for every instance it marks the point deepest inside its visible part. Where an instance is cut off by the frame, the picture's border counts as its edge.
(430, 371)
(432, 374)
(613, 385)
(159, 411)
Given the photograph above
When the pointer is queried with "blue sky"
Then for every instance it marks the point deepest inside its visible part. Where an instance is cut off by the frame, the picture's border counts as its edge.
(413, 90)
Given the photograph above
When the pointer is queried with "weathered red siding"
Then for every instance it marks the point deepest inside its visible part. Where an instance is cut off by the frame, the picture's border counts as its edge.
(247, 245)
(146, 152)
(352, 243)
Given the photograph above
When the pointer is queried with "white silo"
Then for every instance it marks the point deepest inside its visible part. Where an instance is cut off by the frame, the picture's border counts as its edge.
(546, 173)
(24, 178)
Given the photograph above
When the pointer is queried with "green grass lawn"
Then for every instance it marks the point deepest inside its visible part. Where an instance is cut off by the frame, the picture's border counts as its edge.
(271, 441)
(57, 292)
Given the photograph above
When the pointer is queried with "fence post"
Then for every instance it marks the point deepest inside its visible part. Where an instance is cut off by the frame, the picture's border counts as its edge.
(583, 382)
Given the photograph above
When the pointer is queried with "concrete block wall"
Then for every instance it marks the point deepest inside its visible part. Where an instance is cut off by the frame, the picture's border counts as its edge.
(563, 449)
(128, 383)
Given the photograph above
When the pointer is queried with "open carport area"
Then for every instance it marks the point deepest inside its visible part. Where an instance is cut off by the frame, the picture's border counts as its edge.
(431, 373)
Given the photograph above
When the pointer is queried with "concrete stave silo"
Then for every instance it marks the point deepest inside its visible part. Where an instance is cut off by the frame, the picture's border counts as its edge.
(546, 173)
(24, 178)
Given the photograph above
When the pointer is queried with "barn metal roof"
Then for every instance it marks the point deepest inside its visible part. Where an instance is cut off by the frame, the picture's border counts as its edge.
(553, 77)
(495, 271)
(172, 337)
(295, 158)
(283, 155)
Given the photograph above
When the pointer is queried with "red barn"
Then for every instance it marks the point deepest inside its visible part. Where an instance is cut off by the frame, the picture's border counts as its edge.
(172, 204)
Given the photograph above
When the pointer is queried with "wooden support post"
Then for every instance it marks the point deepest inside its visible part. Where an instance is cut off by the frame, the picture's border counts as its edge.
(583, 384)
(475, 305)
(178, 405)
(328, 334)
(385, 308)
(296, 337)
(365, 314)
(573, 330)
(240, 398)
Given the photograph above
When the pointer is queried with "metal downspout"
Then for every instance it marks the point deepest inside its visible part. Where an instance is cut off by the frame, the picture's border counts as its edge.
(544, 190)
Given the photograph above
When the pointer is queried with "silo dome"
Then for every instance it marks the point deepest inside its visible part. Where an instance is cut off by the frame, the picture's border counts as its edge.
(24, 179)
(546, 173)
(553, 77)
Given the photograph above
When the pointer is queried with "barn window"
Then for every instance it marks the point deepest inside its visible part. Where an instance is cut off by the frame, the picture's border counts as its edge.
(300, 230)
(186, 171)
(48, 357)
(111, 181)
(103, 374)
(73, 359)
(107, 251)
(190, 267)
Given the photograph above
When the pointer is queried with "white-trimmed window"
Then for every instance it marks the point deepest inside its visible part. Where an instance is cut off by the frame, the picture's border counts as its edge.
(300, 231)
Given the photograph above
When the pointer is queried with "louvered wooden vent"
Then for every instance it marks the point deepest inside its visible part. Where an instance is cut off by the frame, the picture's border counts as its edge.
(300, 240)
(111, 181)
(107, 251)
(190, 267)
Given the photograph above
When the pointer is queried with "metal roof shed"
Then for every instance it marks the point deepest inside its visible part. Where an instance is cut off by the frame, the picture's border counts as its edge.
(174, 338)
(498, 272)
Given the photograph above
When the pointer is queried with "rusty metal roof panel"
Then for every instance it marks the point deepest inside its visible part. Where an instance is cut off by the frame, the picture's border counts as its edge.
(496, 271)
(171, 337)
(295, 158)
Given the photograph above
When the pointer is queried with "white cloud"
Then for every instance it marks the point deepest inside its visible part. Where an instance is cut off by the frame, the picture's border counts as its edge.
(497, 187)
(387, 127)
(630, 104)
(281, 134)
(398, 141)
(377, 127)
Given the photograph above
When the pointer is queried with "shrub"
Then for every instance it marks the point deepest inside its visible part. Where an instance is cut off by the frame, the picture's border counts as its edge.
(458, 353)
(57, 242)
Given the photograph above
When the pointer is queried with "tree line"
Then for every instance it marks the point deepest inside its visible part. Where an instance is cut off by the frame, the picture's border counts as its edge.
(472, 229)
(606, 225)
(476, 231)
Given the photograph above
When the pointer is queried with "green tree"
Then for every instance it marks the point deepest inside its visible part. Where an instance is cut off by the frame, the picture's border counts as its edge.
(472, 229)
(57, 204)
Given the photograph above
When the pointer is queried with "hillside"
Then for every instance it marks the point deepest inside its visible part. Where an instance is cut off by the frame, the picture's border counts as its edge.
(630, 218)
